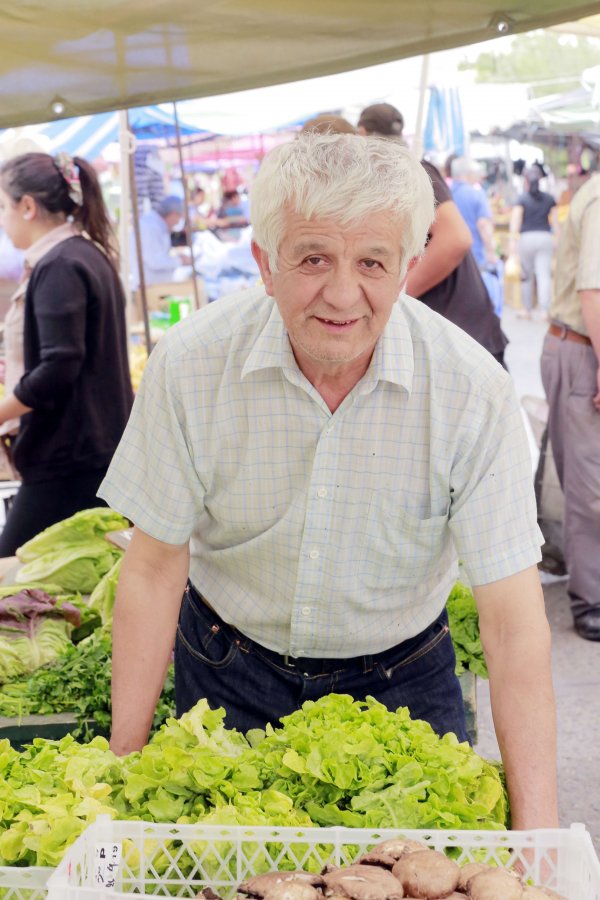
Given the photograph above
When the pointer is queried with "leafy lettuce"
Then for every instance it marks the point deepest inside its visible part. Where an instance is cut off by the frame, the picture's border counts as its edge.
(73, 553)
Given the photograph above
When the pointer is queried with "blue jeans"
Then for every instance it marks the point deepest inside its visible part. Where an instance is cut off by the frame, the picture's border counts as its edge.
(255, 685)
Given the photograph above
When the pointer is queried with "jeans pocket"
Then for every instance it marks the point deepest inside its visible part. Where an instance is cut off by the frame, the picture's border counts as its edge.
(203, 634)
(415, 655)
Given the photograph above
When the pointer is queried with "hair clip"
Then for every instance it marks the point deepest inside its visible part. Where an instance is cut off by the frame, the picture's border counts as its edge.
(65, 165)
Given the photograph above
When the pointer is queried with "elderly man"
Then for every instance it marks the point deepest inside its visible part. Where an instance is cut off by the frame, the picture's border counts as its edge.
(571, 377)
(312, 455)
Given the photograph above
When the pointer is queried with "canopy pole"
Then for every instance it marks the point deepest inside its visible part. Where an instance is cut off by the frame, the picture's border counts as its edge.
(135, 218)
(423, 83)
(125, 147)
(186, 201)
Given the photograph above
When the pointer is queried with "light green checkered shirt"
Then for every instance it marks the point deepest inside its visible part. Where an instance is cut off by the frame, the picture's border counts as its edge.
(320, 534)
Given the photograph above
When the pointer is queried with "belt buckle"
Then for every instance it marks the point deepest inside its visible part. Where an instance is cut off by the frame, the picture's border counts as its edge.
(564, 330)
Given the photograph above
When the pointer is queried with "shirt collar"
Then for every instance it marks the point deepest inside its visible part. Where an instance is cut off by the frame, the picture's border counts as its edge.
(49, 240)
(393, 358)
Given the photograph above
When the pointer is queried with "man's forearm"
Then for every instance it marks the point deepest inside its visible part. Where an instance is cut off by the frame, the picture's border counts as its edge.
(144, 625)
(524, 717)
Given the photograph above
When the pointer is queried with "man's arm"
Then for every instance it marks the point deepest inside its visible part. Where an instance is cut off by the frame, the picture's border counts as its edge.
(449, 242)
(590, 310)
(151, 585)
(516, 641)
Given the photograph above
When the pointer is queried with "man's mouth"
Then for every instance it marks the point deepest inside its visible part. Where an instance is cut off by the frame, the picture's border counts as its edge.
(336, 323)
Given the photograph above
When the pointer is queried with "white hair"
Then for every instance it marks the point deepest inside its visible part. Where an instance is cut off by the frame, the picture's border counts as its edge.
(463, 166)
(343, 177)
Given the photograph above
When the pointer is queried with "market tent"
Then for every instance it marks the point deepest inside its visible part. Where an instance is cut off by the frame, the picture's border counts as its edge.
(69, 59)
(88, 135)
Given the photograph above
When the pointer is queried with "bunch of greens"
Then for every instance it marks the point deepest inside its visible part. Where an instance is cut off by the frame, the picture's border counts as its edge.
(102, 598)
(49, 793)
(463, 620)
(360, 765)
(334, 762)
(78, 682)
(73, 553)
(34, 629)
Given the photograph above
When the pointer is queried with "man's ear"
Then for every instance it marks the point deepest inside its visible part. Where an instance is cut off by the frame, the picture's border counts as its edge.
(411, 264)
(262, 261)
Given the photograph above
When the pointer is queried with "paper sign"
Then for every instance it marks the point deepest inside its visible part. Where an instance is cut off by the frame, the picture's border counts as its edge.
(107, 859)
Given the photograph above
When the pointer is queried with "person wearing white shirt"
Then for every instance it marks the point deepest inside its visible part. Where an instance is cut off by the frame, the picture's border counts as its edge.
(313, 455)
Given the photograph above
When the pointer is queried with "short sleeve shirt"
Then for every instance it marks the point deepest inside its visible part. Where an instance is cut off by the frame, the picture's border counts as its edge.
(577, 257)
(319, 533)
(462, 296)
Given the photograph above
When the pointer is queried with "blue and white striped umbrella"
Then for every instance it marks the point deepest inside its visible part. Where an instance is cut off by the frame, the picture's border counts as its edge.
(444, 127)
(87, 136)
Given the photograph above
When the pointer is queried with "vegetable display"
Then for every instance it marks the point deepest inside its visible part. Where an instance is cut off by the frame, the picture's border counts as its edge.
(463, 620)
(335, 761)
(392, 870)
(73, 553)
(78, 682)
(34, 629)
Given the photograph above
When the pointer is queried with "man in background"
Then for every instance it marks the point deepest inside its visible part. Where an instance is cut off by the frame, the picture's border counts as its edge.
(571, 378)
(446, 277)
(156, 227)
(473, 205)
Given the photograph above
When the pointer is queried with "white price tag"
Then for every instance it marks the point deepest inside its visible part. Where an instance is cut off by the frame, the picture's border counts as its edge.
(107, 859)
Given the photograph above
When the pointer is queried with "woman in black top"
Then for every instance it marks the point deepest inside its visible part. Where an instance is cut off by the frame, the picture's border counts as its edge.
(75, 396)
(531, 230)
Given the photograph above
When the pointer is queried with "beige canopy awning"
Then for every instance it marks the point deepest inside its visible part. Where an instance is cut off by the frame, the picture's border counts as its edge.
(73, 57)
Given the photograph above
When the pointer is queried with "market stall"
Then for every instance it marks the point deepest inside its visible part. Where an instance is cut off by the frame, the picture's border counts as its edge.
(192, 801)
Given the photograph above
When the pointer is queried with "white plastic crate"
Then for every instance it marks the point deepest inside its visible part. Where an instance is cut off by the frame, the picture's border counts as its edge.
(24, 883)
(178, 861)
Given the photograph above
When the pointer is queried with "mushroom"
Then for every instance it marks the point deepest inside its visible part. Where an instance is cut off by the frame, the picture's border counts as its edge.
(397, 847)
(292, 890)
(359, 882)
(260, 885)
(427, 874)
(495, 884)
(468, 871)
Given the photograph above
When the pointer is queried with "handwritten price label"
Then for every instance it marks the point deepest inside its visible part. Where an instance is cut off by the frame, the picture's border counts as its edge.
(107, 859)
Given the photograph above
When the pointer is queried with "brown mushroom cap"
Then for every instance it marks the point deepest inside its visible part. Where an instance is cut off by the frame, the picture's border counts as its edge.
(292, 890)
(427, 874)
(495, 883)
(359, 882)
(468, 871)
(259, 885)
(398, 847)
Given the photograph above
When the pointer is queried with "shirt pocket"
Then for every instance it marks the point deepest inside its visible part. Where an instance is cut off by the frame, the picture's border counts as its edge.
(399, 549)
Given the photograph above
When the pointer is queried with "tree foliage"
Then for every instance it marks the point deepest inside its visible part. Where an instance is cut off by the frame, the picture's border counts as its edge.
(549, 62)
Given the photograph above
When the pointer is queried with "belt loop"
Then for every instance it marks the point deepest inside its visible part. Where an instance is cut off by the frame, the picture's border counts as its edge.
(367, 664)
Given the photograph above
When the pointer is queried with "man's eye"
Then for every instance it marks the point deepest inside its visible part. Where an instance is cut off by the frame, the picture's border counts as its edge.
(313, 260)
(371, 263)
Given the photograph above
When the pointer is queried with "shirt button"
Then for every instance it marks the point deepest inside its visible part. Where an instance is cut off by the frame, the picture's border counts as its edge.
(306, 610)
(322, 492)
(314, 554)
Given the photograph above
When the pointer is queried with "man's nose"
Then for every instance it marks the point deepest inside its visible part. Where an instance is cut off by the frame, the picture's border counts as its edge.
(342, 287)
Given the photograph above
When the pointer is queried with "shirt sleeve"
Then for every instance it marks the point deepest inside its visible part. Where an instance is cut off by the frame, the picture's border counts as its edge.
(59, 296)
(588, 267)
(493, 512)
(152, 479)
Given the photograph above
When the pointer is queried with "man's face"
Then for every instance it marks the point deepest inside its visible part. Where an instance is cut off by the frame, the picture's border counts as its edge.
(335, 288)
